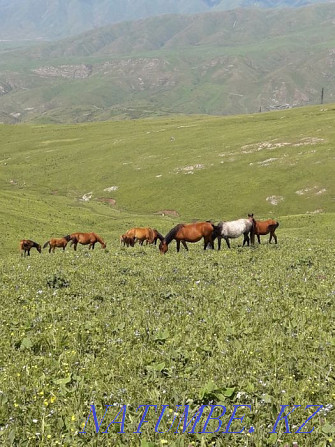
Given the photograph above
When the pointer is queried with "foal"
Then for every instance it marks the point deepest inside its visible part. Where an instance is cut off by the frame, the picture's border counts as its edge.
(26, 245)
(57, 242)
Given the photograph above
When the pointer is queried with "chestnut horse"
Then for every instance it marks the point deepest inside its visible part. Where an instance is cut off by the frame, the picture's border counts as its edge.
(263, 227)
(146, 234)
(234, 229)
(26, 245)
(89, 239)
(57, 242)
(189, 233)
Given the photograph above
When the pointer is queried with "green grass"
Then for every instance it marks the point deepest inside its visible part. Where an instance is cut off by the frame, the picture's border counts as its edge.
(121, 326)
(128, 326)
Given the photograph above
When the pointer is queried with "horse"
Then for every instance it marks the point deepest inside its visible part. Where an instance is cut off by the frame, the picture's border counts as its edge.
(263, 227)
(89, 239)
(144, 234)
(189, 233)
(57, 242)
(26, 245)
(234, 229)
(126, 241)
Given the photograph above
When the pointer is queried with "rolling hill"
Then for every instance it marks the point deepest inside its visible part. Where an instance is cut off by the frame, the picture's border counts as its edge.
(56, 19)
(218, 63)
(114, 175)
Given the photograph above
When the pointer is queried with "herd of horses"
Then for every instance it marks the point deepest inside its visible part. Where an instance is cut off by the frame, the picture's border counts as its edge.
(181, 233)
(89, 239)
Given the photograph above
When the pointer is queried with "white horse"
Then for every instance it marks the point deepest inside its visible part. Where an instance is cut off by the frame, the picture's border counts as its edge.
(234, 229)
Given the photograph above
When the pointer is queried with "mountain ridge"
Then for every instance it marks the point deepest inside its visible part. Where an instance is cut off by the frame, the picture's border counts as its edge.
(233, 62)
(58, 19)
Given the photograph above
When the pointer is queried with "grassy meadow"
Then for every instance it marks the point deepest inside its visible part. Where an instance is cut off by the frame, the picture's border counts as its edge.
(127, 326)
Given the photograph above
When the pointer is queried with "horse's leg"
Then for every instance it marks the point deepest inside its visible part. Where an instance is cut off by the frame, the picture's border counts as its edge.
(245, 239)
(219, 243)
(258, 238)
(227, 241)
(28, 252)
(274, 237)
(178, 246)
(208, 243)
(184, 244)
(75, 246)
(53, 249)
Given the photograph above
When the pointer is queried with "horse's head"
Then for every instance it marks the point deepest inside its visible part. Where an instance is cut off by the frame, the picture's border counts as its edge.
(39, 248)
(163, 247)
(103, 245)
(67, 237)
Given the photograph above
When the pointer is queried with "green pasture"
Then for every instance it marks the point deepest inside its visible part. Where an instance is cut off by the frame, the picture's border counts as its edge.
(220, 168)
(128, 326)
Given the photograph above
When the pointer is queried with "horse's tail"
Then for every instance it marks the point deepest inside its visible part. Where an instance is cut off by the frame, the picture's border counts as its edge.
(216, 231)
(46, 244)
(73, 239)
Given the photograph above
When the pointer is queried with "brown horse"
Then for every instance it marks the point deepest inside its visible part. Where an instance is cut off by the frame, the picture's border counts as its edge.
(189, 233)
(89, 239)
(26, 245)
(144, 234)
(263, 227)
(57, 242)
(126, 241)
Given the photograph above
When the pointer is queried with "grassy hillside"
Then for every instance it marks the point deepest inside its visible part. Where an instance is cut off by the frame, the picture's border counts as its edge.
(272, 164)
(247, 326)
(215, 63)
(127, 326)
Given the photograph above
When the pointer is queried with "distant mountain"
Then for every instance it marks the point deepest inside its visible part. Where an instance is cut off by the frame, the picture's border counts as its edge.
(229, 62)
(56, 19)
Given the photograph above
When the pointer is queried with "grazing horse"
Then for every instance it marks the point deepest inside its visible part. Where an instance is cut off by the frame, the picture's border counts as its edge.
(126, 241)
(234, 229)
(57, 242)
(263, 227)
(189, 233)
(26, 245)
(141, 235)
(89, 239)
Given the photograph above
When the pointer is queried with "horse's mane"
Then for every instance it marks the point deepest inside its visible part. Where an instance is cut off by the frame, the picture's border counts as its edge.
(171, 234)
(160, 236)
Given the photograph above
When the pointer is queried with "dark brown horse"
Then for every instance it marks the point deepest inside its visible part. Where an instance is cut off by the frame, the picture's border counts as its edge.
(26, 245)
(89, 239)
(57, 242)
(263, 227)
(189, 233)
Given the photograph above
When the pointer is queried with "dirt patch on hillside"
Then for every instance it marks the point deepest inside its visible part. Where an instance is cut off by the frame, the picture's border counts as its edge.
(172, 213)
(274, 200)
(111, 202)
